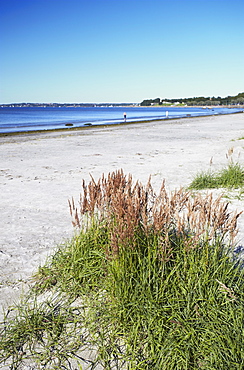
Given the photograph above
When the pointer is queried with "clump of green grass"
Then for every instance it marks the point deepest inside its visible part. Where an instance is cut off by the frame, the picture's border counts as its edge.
(231, 177)
(147, 281)
(42, 334)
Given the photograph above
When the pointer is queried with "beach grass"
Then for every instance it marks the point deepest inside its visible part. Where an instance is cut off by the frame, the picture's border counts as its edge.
(231, 177)
(147, 282)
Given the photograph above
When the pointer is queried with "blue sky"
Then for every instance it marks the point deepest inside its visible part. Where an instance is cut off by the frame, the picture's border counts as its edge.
(120, 50)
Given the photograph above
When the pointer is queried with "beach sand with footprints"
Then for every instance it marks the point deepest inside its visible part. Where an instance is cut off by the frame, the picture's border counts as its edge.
(41, 171)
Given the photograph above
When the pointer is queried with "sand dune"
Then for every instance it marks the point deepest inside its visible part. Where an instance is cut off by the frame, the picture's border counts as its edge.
(40, 172)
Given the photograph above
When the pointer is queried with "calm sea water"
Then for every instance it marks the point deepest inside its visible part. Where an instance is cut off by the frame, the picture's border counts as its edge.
(24, 119)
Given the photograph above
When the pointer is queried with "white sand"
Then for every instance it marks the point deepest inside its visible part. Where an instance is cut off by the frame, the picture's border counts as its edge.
(40, 172)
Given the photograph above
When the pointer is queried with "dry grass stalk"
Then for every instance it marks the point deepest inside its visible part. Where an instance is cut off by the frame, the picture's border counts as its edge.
(227, 291)
(125, 208)
(230, 152)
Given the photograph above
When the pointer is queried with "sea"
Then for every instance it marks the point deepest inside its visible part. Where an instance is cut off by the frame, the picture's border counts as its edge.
(24, 119)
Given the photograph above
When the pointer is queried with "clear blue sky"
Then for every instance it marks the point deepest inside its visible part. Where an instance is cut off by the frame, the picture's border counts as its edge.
(120, 50)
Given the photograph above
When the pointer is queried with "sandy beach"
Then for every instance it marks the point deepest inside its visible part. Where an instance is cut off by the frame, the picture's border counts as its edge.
(41, 171)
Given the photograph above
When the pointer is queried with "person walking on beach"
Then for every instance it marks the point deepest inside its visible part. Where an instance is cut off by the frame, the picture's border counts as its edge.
(124, 117)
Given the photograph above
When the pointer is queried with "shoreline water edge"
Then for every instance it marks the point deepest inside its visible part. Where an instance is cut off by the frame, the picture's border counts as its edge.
(20, 120)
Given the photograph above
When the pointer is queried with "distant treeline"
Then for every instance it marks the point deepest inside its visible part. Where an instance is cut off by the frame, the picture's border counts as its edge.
(229, 100)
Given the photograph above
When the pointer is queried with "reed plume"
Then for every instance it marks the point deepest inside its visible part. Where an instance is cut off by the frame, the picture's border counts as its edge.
(128, 209)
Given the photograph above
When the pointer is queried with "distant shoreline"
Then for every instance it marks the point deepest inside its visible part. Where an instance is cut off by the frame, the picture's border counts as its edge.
(115, 105)
(202, 101)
